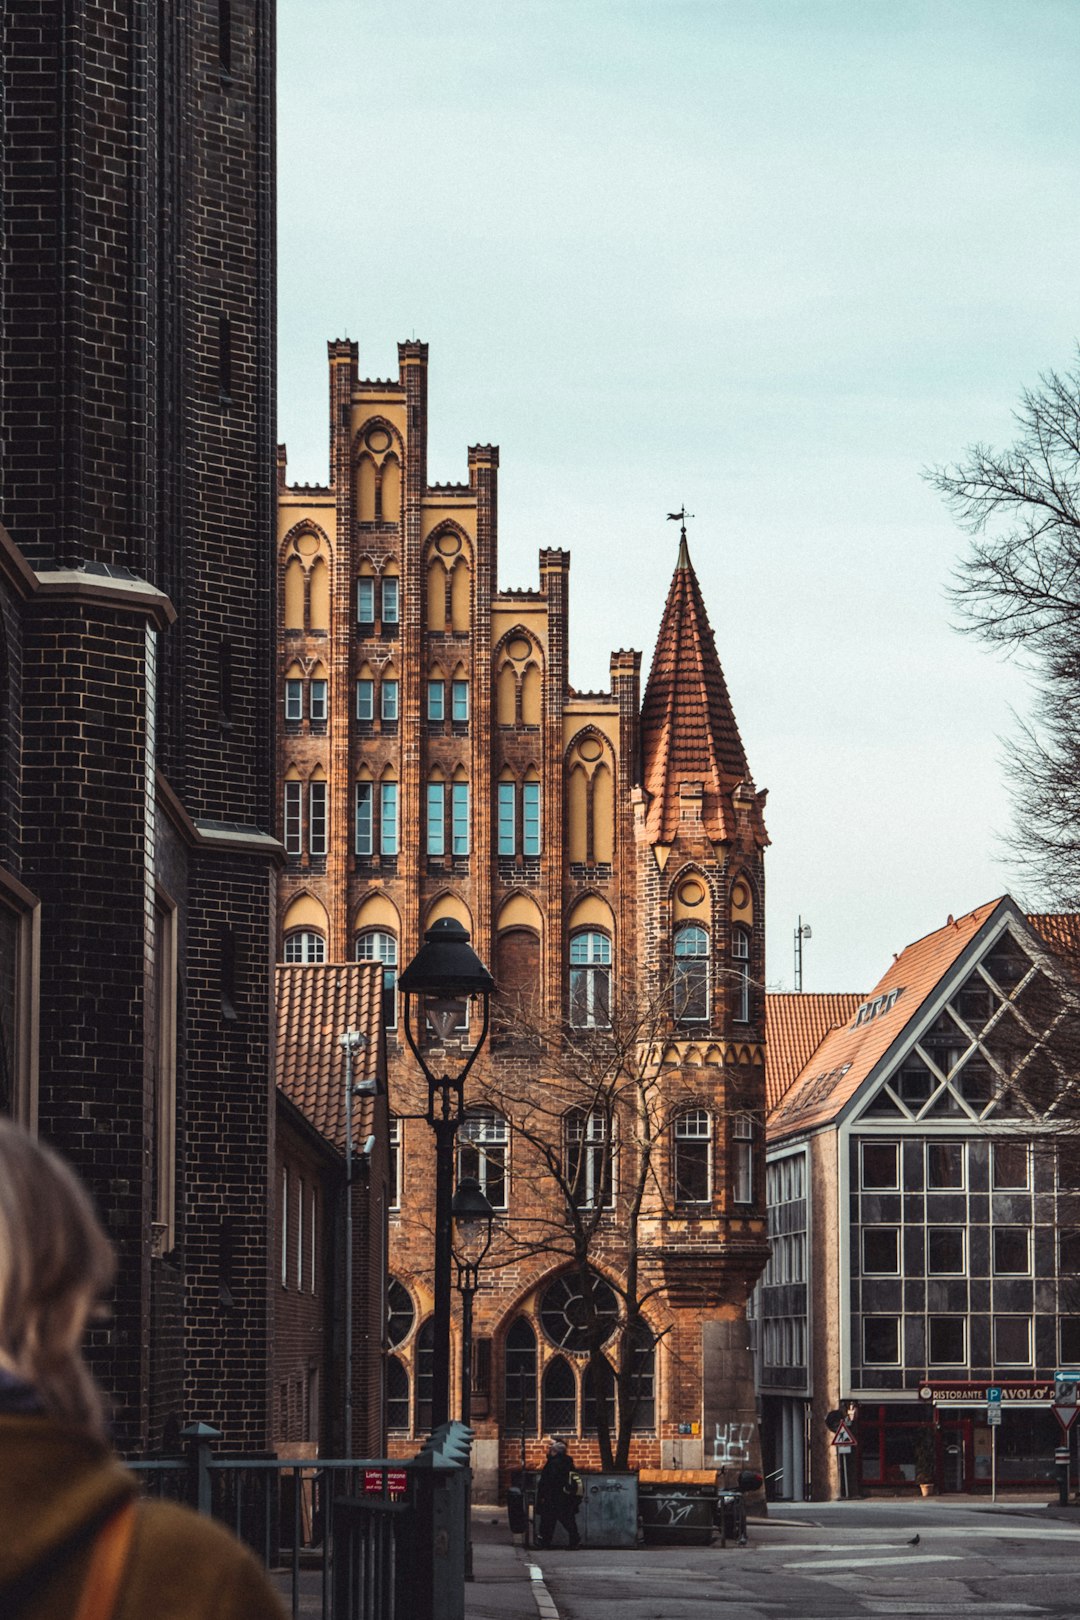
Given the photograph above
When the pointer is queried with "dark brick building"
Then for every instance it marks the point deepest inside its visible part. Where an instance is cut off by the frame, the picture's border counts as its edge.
(137, 870)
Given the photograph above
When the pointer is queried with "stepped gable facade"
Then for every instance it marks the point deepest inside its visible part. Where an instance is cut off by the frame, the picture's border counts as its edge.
(435, 761)
(137, 861)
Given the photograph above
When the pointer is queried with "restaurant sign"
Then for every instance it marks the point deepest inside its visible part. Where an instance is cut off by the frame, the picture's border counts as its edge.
(1023, 1393)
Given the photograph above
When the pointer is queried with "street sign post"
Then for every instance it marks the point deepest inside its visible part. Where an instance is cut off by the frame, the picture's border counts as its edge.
(1066, 1389)
(993, 1418)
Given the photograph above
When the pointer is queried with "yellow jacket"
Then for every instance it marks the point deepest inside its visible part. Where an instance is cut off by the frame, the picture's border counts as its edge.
(57, 1486)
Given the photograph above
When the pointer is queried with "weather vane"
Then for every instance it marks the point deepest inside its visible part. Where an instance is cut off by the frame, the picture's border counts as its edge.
(680, 517)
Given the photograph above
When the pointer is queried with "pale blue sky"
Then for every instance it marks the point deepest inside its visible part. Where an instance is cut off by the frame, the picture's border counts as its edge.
(770, 257)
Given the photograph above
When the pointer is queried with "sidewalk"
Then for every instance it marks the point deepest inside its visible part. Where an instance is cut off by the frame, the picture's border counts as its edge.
(502, 1588)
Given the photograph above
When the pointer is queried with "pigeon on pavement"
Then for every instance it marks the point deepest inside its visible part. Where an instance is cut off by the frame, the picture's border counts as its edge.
(914, 1542)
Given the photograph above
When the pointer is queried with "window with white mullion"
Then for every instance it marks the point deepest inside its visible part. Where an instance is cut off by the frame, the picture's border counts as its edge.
(531, 819)
(436, 818)
(459, 810)
(507, 831)
(293, 805)
(388, 818)
(363, 836)
(317, 818)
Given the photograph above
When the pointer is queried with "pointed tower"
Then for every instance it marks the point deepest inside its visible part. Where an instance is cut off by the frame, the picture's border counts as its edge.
(700, 844)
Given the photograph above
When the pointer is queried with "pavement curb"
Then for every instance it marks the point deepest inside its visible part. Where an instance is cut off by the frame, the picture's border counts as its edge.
(545, 1603)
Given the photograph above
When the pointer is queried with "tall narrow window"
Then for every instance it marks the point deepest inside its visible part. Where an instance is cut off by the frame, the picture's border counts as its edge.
(379, 946)
(693, 1157)
(507, 817)
(225, 358)
(284, 1226)
(225, 682)
(365, 792)
(397, 1394)
(587, 1158)
(459, 806)
(317, 834)
(483, 1146)
(436, 818)
(740, 951)
(560, 1397)
(519, 1417)
(459, 701)
(425, 1371)
(692, 974)
(319, 706)
(390, 599)
(300, 1236)
(531, 818)
(294, 700)
(590, 981)
(294, 798)
(643, 1375)
(164, 1078)
(365, 600)
(393, 1192)
(742, 1131)
(388, 698)
(225, 35)
(312, 1243)
(388, 818)
(598, 1372)
(365, 698)
(436, 700)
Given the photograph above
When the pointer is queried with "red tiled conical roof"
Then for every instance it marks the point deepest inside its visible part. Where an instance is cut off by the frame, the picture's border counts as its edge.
(688, 730)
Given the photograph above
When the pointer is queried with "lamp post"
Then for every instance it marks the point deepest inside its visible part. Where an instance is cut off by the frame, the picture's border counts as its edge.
(436, 986)
(473, 1217)
(351, 1042)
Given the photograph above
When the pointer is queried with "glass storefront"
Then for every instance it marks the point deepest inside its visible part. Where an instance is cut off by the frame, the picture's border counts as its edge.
(900, 1442)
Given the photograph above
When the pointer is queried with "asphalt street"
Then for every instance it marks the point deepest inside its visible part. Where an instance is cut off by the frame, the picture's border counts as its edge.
(836, 1561)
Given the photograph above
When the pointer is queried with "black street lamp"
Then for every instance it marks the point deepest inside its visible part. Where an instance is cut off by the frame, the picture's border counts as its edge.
(442, 976)
(473, 1218)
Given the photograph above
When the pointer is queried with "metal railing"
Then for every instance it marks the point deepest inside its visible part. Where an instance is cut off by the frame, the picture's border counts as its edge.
(344, 1539)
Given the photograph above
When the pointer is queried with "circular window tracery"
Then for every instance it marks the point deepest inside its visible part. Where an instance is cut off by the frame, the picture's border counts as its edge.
(448, 545)
(519, 647)
(377, 439)
(563, 1317)
(590, 749)
(400, 1313)
(691, 893)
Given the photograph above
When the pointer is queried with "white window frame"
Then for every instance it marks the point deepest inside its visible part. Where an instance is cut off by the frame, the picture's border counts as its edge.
(389, 804)
(318, 818)
(365, 698)
(390, 599)
(294, 699)
(293, 817)
(319, 699)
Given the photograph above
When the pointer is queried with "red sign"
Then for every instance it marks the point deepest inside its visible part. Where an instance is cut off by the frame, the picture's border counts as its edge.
(373, 1481)
(1066, 1415)
(395, 1481)
(843, 1439)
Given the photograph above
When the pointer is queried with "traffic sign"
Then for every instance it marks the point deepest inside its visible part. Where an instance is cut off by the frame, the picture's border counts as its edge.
(1066, 1415)
(1065, 1389)
(843, 1439)
(993, 1395)
(993, 1414)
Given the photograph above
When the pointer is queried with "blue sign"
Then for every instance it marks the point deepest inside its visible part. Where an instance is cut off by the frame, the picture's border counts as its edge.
(993, 1395)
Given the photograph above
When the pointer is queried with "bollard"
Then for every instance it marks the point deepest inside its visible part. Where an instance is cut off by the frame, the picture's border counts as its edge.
(1061, 1462)
(199, 1437)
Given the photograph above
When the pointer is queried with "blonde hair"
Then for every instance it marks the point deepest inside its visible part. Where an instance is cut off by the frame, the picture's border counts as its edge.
(55, 1263)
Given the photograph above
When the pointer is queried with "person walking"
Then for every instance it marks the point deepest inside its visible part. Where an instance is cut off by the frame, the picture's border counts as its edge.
(558, 1495)
(76, 1539)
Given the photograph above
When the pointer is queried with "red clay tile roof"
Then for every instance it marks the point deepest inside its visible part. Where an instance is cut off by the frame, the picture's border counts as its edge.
(688, 728)
(847, 1055)
(795, 1026)
(1061, 931)
(315, 1006)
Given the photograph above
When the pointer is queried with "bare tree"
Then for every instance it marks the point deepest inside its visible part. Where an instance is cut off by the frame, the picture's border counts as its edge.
(1019, 589)
(593, 1110)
